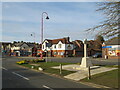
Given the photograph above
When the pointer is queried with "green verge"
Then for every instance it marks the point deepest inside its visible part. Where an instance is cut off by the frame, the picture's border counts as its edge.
(110, 66)
(47, 67)
(109, 79)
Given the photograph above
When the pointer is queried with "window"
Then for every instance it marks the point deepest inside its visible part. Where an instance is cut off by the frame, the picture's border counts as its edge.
(62, 53)
(55, 46)
(69, 47)
(59, 46)
(43, 46)
(55, 53)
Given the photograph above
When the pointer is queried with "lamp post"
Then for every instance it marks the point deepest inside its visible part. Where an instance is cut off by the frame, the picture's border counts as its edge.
(33, 50)
(42, 25)
(42, 29)
(50, 53)
(33, 34)
(46, 55)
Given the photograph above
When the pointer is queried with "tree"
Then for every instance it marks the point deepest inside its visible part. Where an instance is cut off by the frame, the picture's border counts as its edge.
(110, 26)
(99, 38)
(21, 41)
(14, 42)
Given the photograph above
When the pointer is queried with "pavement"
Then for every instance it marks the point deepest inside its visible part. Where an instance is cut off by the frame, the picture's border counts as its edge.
(81, 73)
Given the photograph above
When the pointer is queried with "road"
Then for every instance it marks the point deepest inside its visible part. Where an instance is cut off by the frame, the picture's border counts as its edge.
(18, 77)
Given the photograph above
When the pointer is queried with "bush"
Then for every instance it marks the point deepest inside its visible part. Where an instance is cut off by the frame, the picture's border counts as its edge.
(30, 61)
(22, 62)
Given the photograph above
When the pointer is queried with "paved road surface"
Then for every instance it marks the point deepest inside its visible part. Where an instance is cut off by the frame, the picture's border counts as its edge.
(17, 77)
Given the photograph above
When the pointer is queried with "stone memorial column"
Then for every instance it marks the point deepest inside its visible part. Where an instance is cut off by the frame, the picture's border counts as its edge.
(85, 63)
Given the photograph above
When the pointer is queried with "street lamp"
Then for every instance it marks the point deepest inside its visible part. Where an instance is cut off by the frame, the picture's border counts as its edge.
(42, 28)
(33, 50)
(46, 54)
(33, 34)
(42, 25)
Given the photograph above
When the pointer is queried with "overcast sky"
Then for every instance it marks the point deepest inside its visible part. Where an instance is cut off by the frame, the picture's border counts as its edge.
(21, 19)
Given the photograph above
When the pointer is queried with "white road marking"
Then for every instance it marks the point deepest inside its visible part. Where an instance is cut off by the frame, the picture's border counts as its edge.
(47, 87)
(20, 76)
(4, 68)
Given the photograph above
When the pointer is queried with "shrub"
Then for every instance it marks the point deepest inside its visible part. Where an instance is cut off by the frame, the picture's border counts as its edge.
(30, 61)
(22, 62)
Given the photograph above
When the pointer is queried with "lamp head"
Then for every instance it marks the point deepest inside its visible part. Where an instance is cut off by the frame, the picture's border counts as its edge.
(47, 17)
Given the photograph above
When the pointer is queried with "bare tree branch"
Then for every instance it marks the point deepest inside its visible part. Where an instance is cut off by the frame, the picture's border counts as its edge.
(110, 26)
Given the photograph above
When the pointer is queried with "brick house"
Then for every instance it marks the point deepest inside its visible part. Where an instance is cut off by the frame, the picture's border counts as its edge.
(93, 47)
(58, 47)
(78, 48)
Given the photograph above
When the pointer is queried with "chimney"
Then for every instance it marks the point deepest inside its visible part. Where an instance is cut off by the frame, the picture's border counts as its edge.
(68, 39)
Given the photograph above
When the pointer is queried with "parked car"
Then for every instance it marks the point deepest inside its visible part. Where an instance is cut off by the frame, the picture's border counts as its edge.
(97, 55)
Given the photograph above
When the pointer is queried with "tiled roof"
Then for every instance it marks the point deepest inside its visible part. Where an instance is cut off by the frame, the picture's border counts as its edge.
(21, 43)
(77, 42)
(63, 40)
(92, 42)
(18, 44)
(30, 44)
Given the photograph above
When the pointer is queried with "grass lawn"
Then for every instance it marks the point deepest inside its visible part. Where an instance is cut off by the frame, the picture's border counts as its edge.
(112, 66)
(47, 67)
(109, 79)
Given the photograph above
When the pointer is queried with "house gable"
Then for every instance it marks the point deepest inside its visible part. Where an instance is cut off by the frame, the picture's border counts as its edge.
(24, 46)
(60, 42)
(69, 47)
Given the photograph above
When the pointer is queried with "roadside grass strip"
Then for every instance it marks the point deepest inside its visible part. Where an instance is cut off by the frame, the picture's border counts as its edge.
(109, 78)
(47, 67)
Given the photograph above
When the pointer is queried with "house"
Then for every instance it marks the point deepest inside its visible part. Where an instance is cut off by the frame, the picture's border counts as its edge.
(36, 49)
(58, 47)
(5, 48)
(93, 47)
(78, 48)
(39, 51)
(22, 49)
(111, 48)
